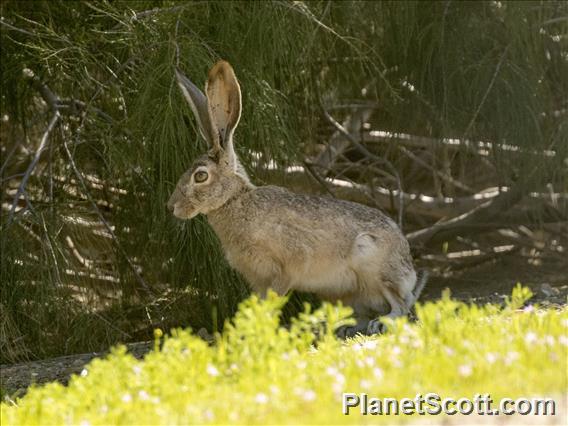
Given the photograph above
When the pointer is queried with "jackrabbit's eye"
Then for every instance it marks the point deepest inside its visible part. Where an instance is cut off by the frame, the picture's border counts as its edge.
(200, 176)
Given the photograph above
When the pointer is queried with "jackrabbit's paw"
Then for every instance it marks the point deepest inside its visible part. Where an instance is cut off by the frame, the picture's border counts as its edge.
(204, 334)
(376, 327)
(346, 331)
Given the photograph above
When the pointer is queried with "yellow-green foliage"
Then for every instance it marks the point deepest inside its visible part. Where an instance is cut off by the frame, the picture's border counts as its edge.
(259, 372)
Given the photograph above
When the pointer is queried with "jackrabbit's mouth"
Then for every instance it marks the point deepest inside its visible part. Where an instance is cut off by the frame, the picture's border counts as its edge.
(185, 214)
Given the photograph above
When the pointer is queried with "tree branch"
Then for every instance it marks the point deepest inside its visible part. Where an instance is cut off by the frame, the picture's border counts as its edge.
(43, 144)
(483, 213)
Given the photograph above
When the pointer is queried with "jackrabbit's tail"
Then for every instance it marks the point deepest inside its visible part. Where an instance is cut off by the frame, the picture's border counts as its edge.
(421, 279)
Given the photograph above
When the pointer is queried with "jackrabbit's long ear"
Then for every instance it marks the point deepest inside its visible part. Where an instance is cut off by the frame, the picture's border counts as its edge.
(198, 103)
(224, 99)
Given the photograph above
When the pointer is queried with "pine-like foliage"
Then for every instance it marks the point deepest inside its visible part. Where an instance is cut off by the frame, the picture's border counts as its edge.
(89, 254)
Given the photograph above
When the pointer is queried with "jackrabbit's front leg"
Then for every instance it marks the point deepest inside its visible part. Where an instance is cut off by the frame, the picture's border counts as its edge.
(281, 286)
(276, 282)
(276, 286)
(398, 308)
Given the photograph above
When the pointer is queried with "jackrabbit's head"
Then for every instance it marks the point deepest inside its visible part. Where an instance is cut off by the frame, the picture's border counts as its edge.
(216, 176)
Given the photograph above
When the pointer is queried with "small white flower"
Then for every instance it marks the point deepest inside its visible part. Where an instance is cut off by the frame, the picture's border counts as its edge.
(209, 414)
(308, 395)
(563, 340)
(416, 344)
(370, 344)
(511, 357)
(126, 397)
(85, 423)
(491, 357)
(549, 340)
(370, 361)
(339, 378)
(332, 371)
(143, 395)
(449, 351)
(84, 372)
(261, 398)
(396, 350)
(274, 389)
(565, 322)
(378, 373)
(530, 338)
(465, 370)
(137, 369)
(302, 364)
(212, 370)
(365, 384)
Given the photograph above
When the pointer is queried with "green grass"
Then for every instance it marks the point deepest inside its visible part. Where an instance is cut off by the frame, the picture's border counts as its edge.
(259, 372)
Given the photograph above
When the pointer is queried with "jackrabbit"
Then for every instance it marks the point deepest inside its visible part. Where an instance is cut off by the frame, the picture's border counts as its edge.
(277, 239)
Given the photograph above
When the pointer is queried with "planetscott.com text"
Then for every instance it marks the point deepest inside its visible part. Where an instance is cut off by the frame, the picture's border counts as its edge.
(433, 404)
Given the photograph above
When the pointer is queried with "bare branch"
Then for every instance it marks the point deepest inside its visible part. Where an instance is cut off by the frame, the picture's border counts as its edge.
(480, 214)
(444, 176)
(43, 144)
(480, 148)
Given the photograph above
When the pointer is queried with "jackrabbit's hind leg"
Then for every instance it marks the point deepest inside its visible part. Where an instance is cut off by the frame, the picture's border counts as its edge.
(375, 326)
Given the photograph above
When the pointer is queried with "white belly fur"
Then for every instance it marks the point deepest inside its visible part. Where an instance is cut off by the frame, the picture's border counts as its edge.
(325, 278)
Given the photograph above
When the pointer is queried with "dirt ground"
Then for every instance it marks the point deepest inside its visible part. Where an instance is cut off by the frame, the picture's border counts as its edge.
(493, 281)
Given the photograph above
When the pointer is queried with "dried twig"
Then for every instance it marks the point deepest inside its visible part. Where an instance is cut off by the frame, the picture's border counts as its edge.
(43, 144)
(317, 177)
